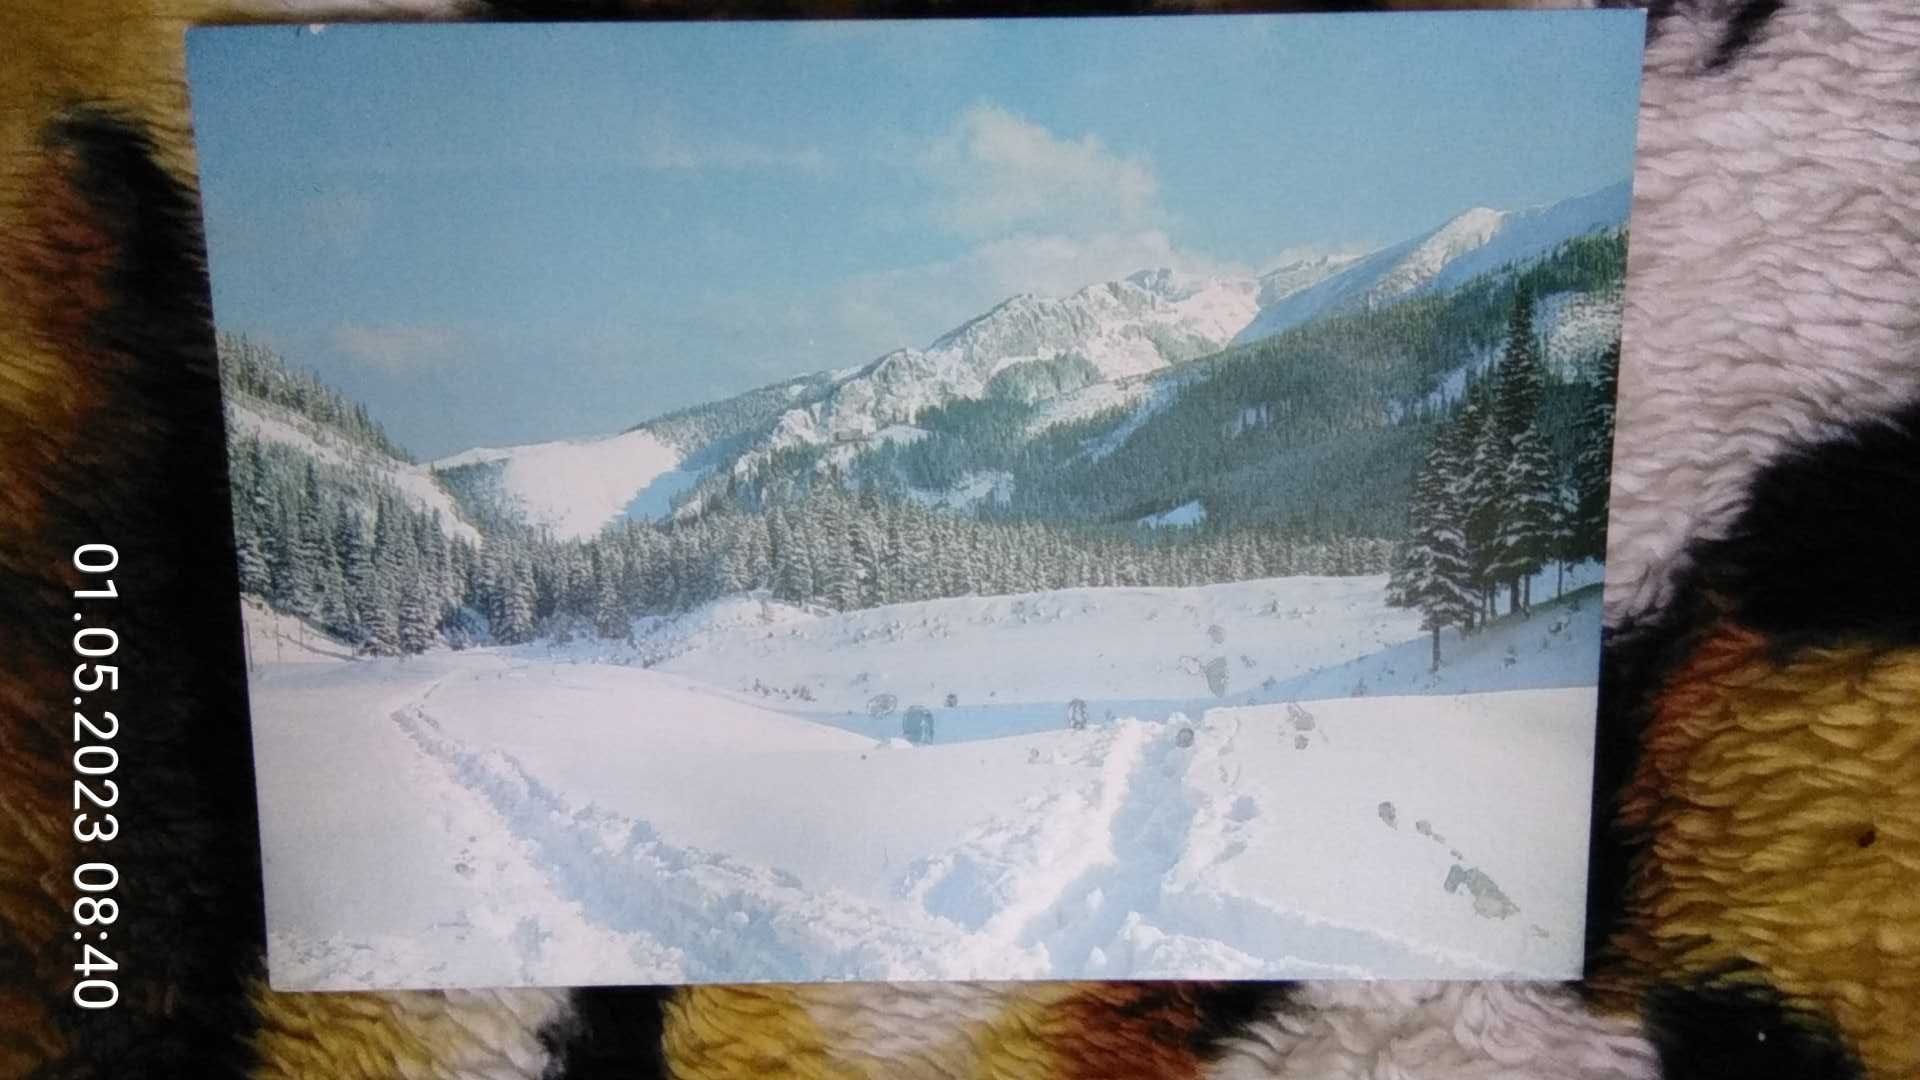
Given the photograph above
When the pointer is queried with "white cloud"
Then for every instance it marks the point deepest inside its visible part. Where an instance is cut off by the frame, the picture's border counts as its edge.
(998, 171)
(1041, 212)
(398, 348)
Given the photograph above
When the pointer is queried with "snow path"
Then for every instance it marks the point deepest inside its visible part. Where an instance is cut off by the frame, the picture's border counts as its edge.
(473, 911)
(733, 921)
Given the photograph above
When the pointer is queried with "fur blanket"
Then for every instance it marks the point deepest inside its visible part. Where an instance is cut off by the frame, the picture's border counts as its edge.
(1754, 900)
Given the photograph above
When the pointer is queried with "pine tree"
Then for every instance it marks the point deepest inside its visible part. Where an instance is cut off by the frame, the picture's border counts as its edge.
(1435, 575)
(415, 622)
(310, 550)
(735, 564)
(282, 561)
(1526, 538)
(759, 556)
(865, 548)
(382, 627)
(1518, 545)
(1592, 467)
(1473, 448)
(249, 500)
(609, 615)
(360, 582)
(251, 557)
(918, 574)
(1563, 533)
(518, 605)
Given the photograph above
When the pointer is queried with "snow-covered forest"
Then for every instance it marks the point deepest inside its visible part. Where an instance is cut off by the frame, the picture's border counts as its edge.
(1491, 507)
(320, 542)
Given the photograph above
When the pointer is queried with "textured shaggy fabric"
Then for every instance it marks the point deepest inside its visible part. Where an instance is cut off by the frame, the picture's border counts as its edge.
(1773, 275)
(1755, 896)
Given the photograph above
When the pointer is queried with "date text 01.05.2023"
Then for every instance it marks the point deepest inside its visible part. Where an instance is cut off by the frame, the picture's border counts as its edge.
(94, 790)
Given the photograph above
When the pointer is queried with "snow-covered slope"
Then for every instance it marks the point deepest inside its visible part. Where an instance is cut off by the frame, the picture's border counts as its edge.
(1156, 318)
(1576, 329)
(575, 487)
(1117, 336)
(1472, 243)
(1122, 328)
(415, 483)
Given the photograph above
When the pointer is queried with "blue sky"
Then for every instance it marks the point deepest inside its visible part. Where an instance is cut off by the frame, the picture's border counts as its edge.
(495, 234)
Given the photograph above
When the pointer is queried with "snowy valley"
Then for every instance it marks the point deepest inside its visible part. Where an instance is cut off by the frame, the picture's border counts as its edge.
(1183, 626)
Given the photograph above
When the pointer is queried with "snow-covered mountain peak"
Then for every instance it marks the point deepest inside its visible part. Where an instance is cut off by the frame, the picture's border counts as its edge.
(1112, 329)
(1296, 274)
(1471, 243)
(1463, 233)
(1170, 284)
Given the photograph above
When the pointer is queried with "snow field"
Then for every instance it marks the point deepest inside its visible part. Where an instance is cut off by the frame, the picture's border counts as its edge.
(561, 814)
(1495, 782)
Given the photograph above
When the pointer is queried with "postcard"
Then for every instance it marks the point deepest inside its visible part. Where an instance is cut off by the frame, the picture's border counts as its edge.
(1027, 499)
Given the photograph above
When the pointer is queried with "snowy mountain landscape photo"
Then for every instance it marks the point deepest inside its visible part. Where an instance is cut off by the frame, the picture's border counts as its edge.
(1053, 499)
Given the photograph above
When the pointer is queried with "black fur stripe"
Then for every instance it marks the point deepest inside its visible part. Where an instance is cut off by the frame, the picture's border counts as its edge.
(1825, 549)
(1710, 1032)
(148, 475)
(611, 1033)
(1227, 1008)
(1744, 27)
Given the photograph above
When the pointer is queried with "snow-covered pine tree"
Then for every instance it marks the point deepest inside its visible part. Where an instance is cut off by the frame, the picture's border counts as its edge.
(249, 545)
(892, 570)
(759, 561)
(250, 548)
(865, 553)
(445, 575)
(415, 621)
(1474, 446)
(517, 606)
(489, 597)
(840, 588)
(382, 623)
(609, 615)
(1526, 538)
(792, 577)
(918, 574)
(310, 549)
(335, 612)
(357, 568)
(633, 572)
(733, 564)
(1563, 534)
(282, 557)
(1434, 574)
(1592, 466)
(1518, 545)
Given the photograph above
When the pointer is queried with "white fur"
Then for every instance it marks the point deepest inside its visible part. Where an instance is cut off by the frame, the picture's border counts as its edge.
(1773, 279)
(1437, 1031)
(481, 1034)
